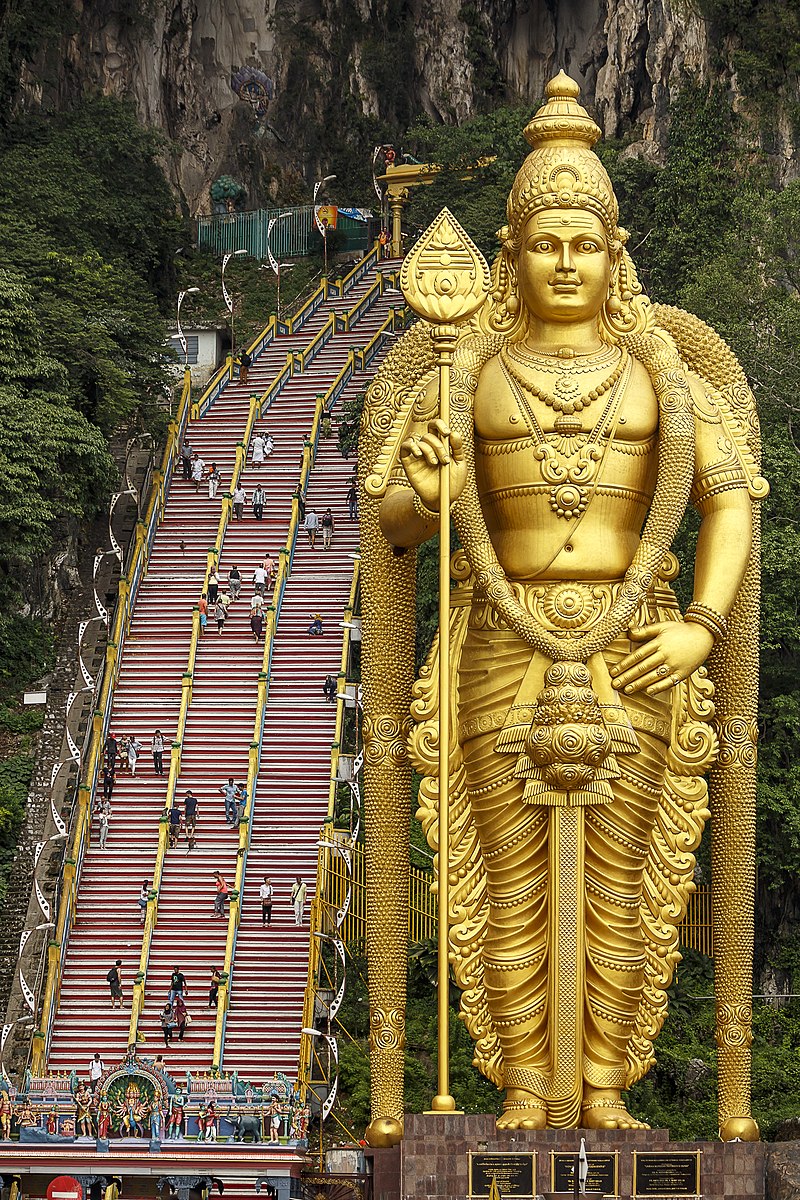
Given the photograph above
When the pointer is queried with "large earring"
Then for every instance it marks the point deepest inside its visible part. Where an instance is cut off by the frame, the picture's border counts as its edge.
(505, 312)
(625, 310)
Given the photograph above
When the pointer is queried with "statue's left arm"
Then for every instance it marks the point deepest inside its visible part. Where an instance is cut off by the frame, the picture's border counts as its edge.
(720, 495)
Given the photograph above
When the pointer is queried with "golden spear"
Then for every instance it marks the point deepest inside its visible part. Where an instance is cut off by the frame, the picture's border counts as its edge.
(445, 280)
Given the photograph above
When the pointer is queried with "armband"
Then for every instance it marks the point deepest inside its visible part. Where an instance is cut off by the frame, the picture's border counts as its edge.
(709, 618)
(423, 511)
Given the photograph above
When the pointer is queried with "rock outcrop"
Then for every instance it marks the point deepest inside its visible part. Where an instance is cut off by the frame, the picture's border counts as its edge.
(177, 63)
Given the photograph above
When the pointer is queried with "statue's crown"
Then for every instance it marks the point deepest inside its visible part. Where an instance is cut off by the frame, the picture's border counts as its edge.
(561, 118)
(562, 170)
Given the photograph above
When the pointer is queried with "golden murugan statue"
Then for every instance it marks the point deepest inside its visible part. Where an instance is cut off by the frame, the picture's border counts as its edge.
(584, 720)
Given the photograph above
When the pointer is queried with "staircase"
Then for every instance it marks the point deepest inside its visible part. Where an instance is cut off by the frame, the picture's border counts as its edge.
(269, 968)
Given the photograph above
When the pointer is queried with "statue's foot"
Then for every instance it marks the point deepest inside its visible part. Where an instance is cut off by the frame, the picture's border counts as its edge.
(605, 1110)
(522, 1110)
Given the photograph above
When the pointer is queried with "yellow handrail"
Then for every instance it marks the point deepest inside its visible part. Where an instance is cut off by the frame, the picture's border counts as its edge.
(91, 766)
(297, 319)
(314, 952)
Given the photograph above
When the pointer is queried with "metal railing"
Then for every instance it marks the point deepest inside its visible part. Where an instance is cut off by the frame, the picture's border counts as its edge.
(697, 928)
(292, 237)
(128, 589)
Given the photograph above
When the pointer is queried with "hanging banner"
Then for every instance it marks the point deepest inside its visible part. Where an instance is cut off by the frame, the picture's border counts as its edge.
(356, 214)
(326, 216)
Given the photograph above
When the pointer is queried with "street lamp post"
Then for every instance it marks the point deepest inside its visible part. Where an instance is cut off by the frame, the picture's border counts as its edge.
(274, 262)
(227, 297)
(323, 228)
(181, 335)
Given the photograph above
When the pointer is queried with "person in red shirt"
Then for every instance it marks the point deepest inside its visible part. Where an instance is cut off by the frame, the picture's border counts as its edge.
(221, 895)
(202, 608)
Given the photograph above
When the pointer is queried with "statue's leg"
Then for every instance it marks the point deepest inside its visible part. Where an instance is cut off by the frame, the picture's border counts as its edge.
(514, 848)
(617, 840)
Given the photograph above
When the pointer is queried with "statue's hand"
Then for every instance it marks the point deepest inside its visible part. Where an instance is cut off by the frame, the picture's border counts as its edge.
(670, 651)
(424, 455)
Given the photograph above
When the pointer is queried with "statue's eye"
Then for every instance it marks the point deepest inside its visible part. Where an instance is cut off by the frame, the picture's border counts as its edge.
(588, 247)
(543, 246)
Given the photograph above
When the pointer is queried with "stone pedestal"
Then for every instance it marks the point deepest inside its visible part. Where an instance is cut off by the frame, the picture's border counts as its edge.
(432, 1161)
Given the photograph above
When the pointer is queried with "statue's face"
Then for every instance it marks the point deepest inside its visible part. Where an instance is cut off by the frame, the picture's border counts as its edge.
(564, 266)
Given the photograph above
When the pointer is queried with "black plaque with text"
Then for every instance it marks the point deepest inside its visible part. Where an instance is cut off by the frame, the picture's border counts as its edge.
(666, 1173)
(515, 1175)
(602, 1175)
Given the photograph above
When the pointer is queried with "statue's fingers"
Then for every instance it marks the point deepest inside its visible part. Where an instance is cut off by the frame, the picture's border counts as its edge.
(648, 679)
(410, 449)
(457, 447)
(428, 452)
(439, 429)
(631, 660)
(645, 631)
(635, 672)
(663, 685)
(441, 450)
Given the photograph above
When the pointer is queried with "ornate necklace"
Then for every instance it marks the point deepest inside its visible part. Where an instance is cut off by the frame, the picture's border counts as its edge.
(566, 397)
(571, 482)
(564, 360)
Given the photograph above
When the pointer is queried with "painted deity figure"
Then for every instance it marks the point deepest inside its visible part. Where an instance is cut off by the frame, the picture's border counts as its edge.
(26, 1114)
(103, 1117)
(177, 1108)
(207, 1121)
(6, 1113)
(52, 1120)
(583, 420)
(156, 1118)
(84, 1105)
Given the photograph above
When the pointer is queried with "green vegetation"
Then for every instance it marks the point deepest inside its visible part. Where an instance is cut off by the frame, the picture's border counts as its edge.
(762, 38)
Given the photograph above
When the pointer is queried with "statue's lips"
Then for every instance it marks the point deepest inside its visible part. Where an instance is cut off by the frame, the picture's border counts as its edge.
(565, 287)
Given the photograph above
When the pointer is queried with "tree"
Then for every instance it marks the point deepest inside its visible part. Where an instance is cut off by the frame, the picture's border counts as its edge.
(53, 462)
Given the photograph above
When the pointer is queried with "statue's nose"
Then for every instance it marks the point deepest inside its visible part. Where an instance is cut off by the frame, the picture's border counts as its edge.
(565, 259)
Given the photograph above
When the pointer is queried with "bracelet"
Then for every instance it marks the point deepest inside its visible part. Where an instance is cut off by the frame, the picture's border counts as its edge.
(422, 511)
(709, 618)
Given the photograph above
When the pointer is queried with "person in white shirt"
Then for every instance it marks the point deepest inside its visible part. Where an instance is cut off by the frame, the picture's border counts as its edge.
(299, 891)
(258, 450)
(134, 749)
(265, 894)
(311, 526)
(239, 501)
(96, 1069)
(198, 471)
(259, 579)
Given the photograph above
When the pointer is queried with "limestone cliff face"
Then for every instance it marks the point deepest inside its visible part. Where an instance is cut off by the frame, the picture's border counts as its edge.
(324, 57)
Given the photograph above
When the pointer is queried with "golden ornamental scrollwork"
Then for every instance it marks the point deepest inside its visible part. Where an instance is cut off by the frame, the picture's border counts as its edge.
(734, 1025)
(738, 738)
(387, 1028)
(385, 739)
